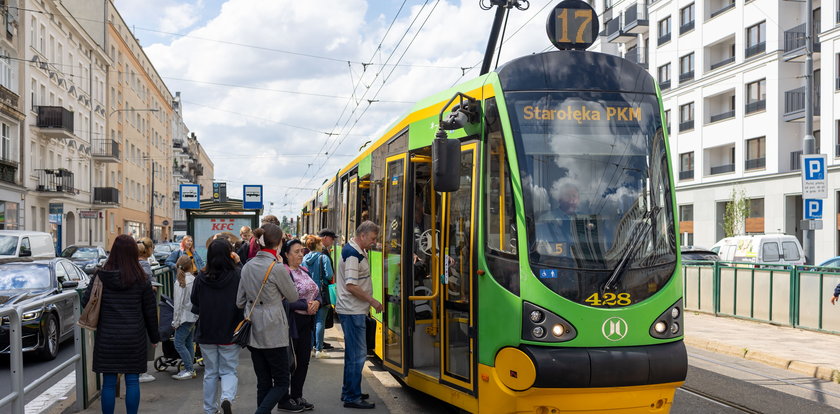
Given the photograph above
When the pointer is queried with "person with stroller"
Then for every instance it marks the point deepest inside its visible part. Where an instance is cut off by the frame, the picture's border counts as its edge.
(183, 320)
(145, 249)
(127, 320)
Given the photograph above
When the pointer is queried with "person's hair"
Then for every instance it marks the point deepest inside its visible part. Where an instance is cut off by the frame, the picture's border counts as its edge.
(184, 240)
(268, 236)
(245, 230)
(327, 233)
(123, 257)
(145, 248)
(218, 258)
(367, 227)
(312, 242)
(284, 251)
(184, 264)
(271, 219)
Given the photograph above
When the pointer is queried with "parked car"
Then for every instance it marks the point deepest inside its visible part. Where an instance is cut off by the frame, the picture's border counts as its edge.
(694, 253)
(26, 281)
(88, 258)
(777, 249)
(21, 243)
(163, 250)
(833, 262)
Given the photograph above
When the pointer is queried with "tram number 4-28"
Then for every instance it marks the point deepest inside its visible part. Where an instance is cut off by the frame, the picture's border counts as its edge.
(608, 299)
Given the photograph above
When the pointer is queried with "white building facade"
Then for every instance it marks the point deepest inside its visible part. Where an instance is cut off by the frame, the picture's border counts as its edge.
(732, 79)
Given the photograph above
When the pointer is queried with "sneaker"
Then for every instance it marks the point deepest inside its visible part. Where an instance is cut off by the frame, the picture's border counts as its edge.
(226, 407)
(184, 375)
(307, 406)
(321, 355)
(327, 346)
(360, 404)
(314, 353)
(144, 377)
(289, 406)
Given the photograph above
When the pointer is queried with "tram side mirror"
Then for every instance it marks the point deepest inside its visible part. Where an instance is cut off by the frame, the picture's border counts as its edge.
(445, 162)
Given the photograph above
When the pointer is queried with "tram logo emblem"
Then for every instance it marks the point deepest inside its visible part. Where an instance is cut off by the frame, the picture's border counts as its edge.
(614, 329)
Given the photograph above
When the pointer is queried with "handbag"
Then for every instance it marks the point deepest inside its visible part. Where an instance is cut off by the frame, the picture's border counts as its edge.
(242, 333)
(89, 319)
(329, 320)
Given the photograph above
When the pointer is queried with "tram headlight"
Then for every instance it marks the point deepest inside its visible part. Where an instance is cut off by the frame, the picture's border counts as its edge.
(675, 312)
(667, 325)
(538, 331)
(675, 328)
(660, 327)
(558, 330)
(537, 316)
(537, 322)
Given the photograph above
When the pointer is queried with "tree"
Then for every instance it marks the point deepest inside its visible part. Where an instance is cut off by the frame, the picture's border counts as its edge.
(735, 215)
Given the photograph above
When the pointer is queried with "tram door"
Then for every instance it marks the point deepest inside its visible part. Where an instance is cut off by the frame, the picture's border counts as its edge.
(392, 262)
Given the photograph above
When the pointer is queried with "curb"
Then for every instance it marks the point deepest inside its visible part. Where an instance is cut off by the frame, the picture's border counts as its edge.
(818, 371)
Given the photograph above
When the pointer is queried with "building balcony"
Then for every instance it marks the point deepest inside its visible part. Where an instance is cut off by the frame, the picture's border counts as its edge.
(755, 163)
(57, 180)
(177, 143)
(795, 43)
(665, 38)
(755, 106)
(106, 195)
(666, 84)
(8, 97)
(796, 160)
(687, 76)
(686, 175)
(8, 170)
(722, 116)
(721, 10)
(687, 125)
(795, 104)
(689, 26)
(723, 62)
(723, 169)
(638, 57)
(55, 122)
(105, 150)
(756, 49)
(615, 32)
(636, 19)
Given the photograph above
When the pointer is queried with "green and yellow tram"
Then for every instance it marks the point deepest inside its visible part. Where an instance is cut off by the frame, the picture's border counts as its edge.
(546, 278)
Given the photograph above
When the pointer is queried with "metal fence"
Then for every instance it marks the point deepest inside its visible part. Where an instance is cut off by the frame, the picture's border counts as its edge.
(19, 390)
(796, 296)
(166, 277)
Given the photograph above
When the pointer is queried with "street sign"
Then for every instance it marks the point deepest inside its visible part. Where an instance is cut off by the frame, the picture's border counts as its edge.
(219, 192)
(88, 214)
(252, 199)
(814, 182)
(189, 197)
(813, 209)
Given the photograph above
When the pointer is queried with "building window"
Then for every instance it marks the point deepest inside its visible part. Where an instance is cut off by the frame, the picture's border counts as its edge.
(664, 30)
(686, 221)
(755, 218)
(756, 96)
(6, 150)
(756, 39)
(687, 18)
(664, 73)
(687, 116)
(756, 148)
(687, 67)
(687, 166)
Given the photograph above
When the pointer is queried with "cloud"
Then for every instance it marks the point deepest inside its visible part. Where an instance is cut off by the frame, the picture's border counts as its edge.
(180, 17)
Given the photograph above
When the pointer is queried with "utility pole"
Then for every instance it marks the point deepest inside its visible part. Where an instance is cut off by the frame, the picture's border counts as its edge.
(808, 143)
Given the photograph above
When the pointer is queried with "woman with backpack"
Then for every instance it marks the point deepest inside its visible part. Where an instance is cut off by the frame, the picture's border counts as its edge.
(320, 269)
(302, 316)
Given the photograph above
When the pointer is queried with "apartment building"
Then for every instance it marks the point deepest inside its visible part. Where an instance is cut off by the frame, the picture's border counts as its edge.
(732, 79)
(12, 191)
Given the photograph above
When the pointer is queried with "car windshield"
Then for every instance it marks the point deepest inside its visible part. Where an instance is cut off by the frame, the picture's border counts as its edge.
(81, 253)
(594, 176)
(163, 248)
(14, 276)
(8, 245)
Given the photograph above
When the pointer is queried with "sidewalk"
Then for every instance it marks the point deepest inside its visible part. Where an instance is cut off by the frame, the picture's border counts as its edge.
(810, 353)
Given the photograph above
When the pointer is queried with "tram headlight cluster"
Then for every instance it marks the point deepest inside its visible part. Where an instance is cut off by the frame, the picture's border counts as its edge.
(542, 325)
(669, 323)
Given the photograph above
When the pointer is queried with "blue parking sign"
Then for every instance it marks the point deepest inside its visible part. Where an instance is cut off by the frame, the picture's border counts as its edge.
(814, 182)
(813, 209)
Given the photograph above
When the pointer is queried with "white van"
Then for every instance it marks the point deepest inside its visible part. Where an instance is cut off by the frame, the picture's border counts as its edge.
(762, 248)
(21, 243)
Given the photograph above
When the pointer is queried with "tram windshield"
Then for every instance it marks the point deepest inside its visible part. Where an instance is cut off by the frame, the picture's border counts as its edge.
(596, 186)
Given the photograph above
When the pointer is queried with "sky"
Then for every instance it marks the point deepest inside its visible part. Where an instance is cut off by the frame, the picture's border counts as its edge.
(279, 92)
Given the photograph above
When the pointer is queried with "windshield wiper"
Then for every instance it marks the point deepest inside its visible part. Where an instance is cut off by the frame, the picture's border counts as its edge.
(637, 236)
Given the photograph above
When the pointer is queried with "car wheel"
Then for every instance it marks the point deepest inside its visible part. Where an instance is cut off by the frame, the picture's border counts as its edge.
(50, 349)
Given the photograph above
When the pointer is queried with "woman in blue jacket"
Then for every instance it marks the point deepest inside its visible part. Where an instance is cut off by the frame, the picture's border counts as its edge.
(187, 248)
(321, 272)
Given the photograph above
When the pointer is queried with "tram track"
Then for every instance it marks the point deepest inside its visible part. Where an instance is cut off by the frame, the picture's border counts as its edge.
(718, 400)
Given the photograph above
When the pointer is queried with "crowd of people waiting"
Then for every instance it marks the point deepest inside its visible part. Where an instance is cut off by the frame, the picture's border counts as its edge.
(282, 283)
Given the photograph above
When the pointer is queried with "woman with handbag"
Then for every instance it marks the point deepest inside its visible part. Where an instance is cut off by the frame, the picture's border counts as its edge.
(127, 320)
(320, 269)
(265, 284)
(301, 316)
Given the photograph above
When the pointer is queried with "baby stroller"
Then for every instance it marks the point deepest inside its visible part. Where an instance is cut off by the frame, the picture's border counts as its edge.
(170, 357)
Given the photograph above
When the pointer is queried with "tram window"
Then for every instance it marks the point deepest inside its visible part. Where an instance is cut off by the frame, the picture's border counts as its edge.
(351, 204)
(343, 231)
(501, 217)
(376, 193)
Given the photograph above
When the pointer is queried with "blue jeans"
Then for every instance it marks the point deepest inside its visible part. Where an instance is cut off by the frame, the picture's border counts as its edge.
(184, 344)
(355, 353)
(109, 393)
(318, 332)
(220, 362)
